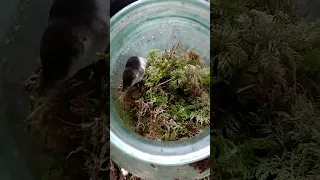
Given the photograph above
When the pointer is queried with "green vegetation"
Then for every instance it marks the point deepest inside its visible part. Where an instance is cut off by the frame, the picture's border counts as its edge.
(172, 100)
(275, 132)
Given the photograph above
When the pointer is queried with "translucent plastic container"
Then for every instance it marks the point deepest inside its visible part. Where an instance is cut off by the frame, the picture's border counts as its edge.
(136, 29)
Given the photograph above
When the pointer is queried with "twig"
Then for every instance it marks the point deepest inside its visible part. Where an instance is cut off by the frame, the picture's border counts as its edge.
(75, 151)
(246, 88)
(36, 111)
(164, 82)
(65, 121)
(123, 94)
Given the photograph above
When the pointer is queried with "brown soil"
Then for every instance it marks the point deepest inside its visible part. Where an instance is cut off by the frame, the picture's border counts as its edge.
(202, 165)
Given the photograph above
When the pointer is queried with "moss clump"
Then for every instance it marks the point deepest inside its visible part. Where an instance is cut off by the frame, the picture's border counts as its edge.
(172, 101)
(272, 130)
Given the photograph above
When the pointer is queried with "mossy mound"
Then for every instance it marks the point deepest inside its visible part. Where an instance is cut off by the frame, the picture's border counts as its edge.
(172, 101)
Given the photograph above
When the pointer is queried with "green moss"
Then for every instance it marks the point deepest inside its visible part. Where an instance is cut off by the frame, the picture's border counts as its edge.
(276, 136)
(172, 100)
